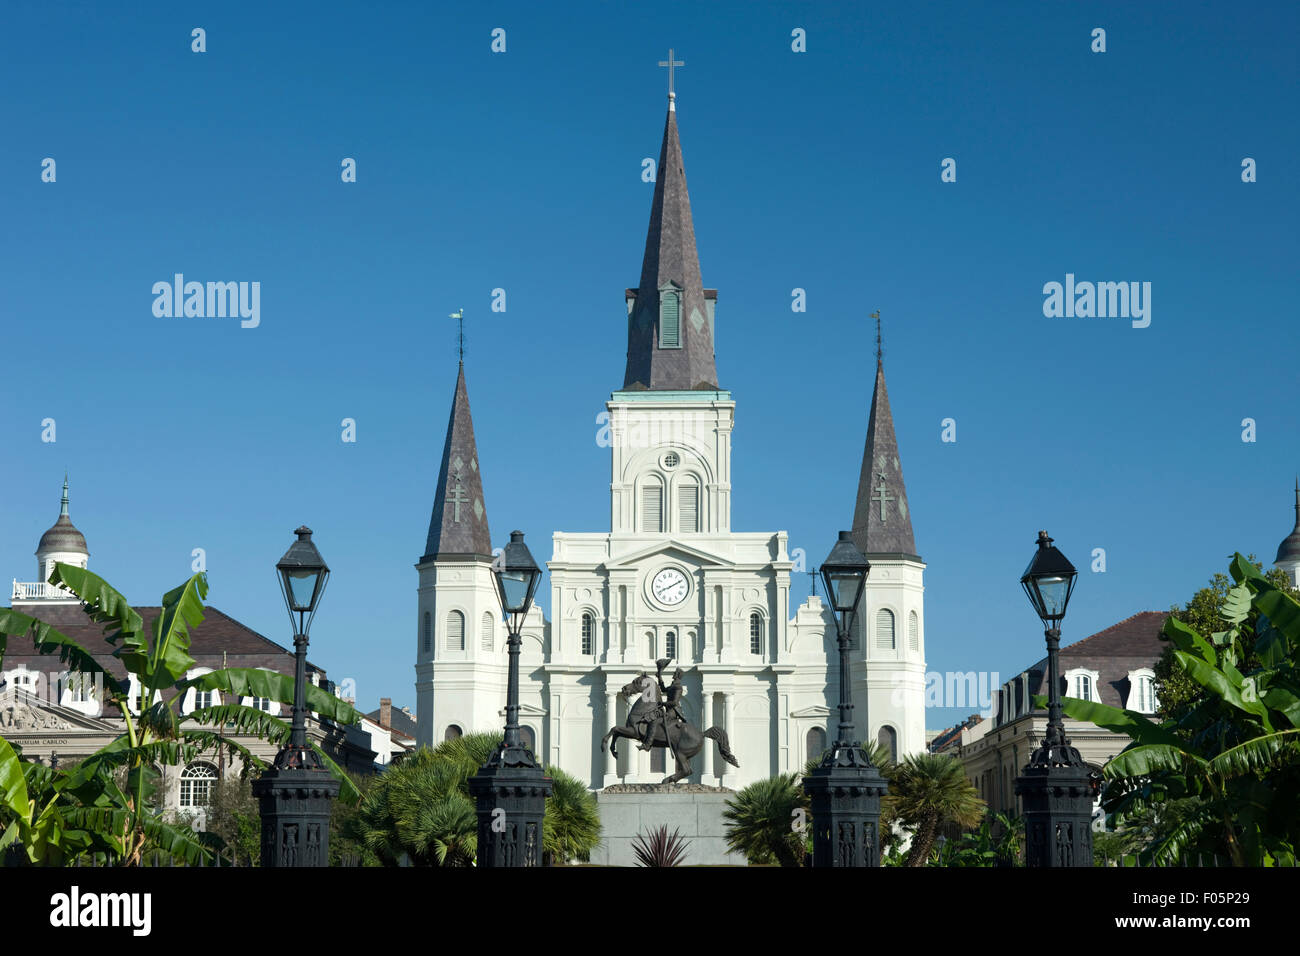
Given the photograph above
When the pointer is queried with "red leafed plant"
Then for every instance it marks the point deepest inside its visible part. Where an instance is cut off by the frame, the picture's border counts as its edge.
(660, 848)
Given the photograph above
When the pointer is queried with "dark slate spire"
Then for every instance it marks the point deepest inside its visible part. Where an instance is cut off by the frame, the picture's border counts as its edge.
(1289, 549)
(458, 529)
(882, 523)
(671, 265)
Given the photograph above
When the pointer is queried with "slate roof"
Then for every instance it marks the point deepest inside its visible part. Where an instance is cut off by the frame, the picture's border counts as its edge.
(458, 528)
(882, 521)
(1289, 549)
(219, 640)
(670, 259)
(399, 721)
(1132, 643)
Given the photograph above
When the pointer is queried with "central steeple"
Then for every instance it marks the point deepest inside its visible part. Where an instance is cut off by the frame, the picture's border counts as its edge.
(458, 528)
(670, 314)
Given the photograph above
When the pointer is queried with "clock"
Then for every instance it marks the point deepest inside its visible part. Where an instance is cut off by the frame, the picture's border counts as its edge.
(670, 587)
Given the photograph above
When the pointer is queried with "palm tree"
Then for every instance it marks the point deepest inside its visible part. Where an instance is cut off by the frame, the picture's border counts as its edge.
(767, 820)
(931, 790)
(571, 829)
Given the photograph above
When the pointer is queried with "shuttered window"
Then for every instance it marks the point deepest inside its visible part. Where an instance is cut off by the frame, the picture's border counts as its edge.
(913, 632)
(652, 497)
(455, 631)
(428, 632)
(885, 630)
(670, 321)
(487, 632)
(688, 507)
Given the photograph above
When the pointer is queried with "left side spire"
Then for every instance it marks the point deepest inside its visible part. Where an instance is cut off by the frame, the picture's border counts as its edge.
(458, 528)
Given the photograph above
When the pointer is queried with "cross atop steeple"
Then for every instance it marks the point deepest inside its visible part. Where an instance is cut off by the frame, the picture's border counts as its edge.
(879, 351)
(459, 316)
(671, 63)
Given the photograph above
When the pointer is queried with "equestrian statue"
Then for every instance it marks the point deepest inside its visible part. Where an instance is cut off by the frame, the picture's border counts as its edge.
(656, 720)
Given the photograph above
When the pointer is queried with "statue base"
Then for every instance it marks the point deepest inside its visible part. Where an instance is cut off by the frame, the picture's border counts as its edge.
(629, 810)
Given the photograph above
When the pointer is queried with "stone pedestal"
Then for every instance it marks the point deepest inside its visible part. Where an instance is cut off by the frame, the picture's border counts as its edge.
(295, 807)
(630, 810)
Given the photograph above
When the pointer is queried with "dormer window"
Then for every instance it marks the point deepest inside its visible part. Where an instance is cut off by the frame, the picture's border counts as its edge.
(670, 320)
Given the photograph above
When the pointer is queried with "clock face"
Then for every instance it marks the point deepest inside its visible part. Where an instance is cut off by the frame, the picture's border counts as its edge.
(670, 586)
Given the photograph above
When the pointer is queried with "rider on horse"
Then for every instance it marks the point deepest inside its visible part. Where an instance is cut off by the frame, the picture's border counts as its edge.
(669, 707)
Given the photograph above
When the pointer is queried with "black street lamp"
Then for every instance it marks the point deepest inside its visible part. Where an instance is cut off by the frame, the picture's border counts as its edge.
(510, 790)
(1054, 787)
(295, 794)
(845, 789)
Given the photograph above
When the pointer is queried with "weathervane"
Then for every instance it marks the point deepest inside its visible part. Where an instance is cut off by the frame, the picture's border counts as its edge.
(671, 63)
(459, 316)
(879, 351)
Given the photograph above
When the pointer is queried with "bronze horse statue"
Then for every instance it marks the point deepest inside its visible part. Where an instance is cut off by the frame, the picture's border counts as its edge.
(682, 738)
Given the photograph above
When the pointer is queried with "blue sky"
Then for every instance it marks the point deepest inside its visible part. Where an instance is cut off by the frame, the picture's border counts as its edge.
(521, 170)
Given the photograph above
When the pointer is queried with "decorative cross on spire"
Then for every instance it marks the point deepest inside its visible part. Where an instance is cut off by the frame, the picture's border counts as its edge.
(879, 351)
(671, 63)
(459, 316)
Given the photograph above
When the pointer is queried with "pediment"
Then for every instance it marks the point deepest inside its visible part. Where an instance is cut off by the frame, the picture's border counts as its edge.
(525, 710)
(816, 710)
(22, 713)
(674, 548)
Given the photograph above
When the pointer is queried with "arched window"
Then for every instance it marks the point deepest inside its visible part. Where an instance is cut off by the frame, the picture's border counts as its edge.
(1081, 683)
(913, 632)
(888, 740)
(1142, 691)
(428, 632)
(197, 781)
(670, 320)
(885, 629)
(652, 505)
(688, 506)
(529, 739)
(588, 634)
(696, 644)
(670, 645)
(455, 631)
(453, 733)
(755, 633)
(816, 743)
(1083, 687)
(487, 631)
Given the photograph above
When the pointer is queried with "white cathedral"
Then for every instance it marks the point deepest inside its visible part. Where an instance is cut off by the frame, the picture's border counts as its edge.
(671, 578)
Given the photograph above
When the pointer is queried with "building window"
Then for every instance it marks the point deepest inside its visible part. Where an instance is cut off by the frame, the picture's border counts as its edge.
(455, 631)
(453, 733)
(885, 630)
(696, 644)
(670, 645)
(1142, 691)
(487, 632)
(816, 743)
(428, 632)
(688, 507)
(202, 699)
(260, 703)
(755, 633)
(196, 784)
(888, 740)
(650, 646)
(652, 499)
(671, 460)
(1082, 684)
(588, 634)
(913, 632)
(670, 320)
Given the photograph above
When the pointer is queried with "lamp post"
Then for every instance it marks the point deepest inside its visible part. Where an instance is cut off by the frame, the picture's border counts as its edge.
(1054, 787)
(510, 790)
(845, 789)
(295, 794)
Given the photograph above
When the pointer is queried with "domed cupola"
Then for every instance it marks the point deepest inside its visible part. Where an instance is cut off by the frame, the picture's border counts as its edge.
(1288, 552)
(63, 542)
